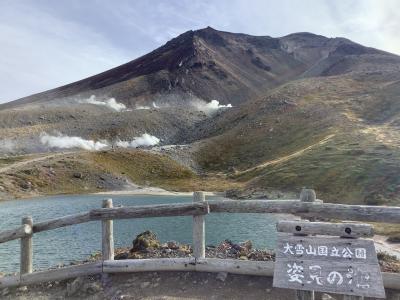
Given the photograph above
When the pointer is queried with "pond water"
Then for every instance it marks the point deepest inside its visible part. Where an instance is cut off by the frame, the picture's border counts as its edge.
(77, 242)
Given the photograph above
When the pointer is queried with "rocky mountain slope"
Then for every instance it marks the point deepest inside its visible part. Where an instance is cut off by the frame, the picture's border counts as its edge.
(210, 64)
(307, 111)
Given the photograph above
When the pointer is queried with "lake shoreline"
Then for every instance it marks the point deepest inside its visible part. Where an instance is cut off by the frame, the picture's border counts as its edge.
(154, 191)
(148, 191)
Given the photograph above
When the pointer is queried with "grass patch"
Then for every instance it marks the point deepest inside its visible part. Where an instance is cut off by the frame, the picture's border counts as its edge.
(4, 161)
(140, 166)
(151, 169)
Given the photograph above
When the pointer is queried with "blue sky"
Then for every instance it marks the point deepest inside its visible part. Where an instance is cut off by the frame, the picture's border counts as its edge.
(45, 43)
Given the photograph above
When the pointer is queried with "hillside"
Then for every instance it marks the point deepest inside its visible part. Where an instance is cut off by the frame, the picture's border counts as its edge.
(89, 172)
(307, 110)
(329, 134)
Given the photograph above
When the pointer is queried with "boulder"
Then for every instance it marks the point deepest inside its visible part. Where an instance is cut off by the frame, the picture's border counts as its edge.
(78, 175)
(144, 241)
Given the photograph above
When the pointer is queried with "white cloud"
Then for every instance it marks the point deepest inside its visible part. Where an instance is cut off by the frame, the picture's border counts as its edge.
(373, 23)
(39, 51)
(369, 22)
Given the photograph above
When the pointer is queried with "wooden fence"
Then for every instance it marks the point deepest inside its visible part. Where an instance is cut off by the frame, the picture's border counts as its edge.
(306, 206)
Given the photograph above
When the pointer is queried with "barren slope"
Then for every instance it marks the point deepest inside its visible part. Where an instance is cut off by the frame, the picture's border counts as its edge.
(307, 111)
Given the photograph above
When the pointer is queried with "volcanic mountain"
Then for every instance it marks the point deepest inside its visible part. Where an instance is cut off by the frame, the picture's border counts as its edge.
(307, 111)
(210, 64)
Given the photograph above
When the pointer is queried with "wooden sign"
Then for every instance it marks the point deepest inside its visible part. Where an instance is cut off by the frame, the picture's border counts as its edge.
(328, 264)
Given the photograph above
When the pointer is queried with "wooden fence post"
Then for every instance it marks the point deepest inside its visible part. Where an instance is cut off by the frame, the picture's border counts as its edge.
(26, 249)
(107, 234)
(306, 195)
(199, 241)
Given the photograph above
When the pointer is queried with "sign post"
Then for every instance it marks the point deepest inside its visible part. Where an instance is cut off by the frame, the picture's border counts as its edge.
(324, 263)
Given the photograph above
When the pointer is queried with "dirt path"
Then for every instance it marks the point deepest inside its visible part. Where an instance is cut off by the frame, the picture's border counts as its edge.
(20, 164)
(384, 134)
(287, 157)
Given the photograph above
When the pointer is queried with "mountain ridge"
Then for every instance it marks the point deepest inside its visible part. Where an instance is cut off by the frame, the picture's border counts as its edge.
(186, 64)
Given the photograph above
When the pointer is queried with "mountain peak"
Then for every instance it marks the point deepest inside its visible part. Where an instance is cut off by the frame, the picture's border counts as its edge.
(208, 28)
(211, 64)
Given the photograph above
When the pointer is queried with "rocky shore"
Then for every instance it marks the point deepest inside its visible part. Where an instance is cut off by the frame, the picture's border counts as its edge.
(146, 245)
(188, 285)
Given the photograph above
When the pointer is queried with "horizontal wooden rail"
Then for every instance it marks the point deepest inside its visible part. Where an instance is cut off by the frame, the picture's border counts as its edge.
(62, 273)
(150, 211)
(235, 266)
(257, 206)
(149, 265)
(51, 275)
(385, 214)
(145, 211)
(391, 280)
(62, 222)
(350, 230)
(254, 268)
(20, 232)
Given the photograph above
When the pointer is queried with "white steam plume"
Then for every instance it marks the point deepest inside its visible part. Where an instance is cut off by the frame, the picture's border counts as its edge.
(68, 142)
(211, 107)
(110, 103)
(154, 105)
(7, 146)
(144, 140)
(140, 107)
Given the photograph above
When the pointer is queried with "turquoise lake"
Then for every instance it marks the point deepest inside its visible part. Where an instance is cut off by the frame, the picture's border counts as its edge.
(77, 242)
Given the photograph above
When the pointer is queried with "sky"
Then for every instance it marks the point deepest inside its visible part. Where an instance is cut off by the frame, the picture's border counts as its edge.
(45, 44)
